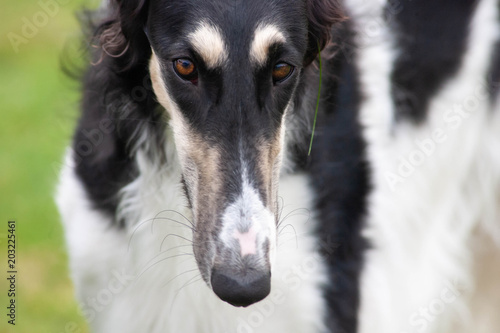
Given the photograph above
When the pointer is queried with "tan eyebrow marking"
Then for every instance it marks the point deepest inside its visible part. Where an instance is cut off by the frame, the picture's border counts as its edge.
(265, 35)
(208, 42)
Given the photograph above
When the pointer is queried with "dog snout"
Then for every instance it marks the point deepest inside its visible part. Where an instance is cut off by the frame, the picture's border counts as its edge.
(241, 274)
(241, 288)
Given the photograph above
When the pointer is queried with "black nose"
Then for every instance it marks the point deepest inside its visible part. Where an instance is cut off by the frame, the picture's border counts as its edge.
(241, 290)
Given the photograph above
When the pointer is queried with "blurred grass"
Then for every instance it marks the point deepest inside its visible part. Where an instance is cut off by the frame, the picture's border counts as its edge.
(39, 107)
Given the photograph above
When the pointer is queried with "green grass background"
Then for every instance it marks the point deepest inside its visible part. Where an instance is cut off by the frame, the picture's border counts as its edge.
(39, 108)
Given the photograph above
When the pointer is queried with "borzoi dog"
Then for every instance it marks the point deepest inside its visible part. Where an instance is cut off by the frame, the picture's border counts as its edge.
(191, 203)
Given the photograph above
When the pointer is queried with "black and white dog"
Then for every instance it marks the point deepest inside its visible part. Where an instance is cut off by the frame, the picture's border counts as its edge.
(189, 200)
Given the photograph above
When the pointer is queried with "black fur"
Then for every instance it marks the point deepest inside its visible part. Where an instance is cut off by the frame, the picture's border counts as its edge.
(431, 40)
(494, 73)
(117, 92)
(118, 104)
(494, 77)
(340, 179)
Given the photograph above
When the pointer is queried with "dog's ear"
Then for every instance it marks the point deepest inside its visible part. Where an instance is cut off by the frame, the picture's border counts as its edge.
(121, 34)
(322, 15)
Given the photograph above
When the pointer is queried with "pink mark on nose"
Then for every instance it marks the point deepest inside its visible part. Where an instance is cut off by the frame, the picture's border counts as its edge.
(247, 240)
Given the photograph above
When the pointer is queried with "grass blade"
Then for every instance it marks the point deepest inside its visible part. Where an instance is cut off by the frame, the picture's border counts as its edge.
(317, 101)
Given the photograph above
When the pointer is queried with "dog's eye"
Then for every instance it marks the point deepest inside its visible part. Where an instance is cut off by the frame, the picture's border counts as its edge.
(186, 69)
(281, 71)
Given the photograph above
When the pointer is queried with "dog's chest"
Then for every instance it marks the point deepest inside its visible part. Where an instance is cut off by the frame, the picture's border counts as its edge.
(148, 280)
(176, 299)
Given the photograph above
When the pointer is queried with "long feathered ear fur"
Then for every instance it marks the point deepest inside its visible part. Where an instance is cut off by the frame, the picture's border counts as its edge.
(116, 91)
(121, 34)
(322, 15)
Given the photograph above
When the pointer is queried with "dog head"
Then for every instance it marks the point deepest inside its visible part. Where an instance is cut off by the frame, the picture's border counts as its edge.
(226, 72)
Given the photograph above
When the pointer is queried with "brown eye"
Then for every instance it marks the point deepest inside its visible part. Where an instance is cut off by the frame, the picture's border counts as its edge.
(281, 71)
(186, 69)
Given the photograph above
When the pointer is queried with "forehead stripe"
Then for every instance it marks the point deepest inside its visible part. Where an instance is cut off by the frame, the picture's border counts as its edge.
(208, 42)
(265, 36)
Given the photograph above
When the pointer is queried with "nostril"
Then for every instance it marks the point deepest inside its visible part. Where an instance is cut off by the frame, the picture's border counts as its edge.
(241, 290)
